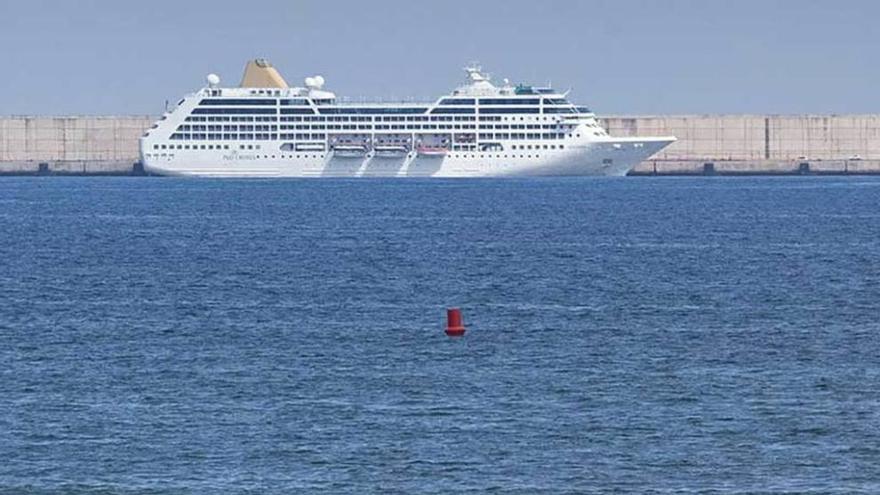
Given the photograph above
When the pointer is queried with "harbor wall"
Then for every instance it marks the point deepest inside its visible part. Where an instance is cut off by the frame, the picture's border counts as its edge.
(707, 144)
(757, 144)
(71, 145)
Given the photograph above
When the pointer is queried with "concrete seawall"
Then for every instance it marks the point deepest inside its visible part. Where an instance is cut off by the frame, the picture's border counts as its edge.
(758, 144)
(707, 144)
(71, 145)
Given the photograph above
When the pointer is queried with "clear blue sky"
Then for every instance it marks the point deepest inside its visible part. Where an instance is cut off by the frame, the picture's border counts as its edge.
(619, 56)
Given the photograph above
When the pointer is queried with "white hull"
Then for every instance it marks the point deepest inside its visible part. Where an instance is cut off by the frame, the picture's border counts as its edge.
(611, 157)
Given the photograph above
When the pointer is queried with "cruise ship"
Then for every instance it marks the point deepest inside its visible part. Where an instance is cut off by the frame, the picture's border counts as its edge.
(266, 128)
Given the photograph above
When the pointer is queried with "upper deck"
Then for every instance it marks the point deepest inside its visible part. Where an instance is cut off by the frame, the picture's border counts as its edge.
(265, 108)
(477, 96)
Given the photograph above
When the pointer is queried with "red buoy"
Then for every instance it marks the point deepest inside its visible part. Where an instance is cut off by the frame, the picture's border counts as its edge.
(454, 326)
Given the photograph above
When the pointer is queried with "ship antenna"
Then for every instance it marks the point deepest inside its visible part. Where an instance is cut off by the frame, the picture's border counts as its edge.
(474, 70)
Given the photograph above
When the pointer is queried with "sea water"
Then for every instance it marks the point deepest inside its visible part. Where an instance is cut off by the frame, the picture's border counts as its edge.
(691, 335)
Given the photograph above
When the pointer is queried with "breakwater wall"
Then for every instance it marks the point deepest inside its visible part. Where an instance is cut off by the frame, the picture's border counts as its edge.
(76, 145)
(757, 144)
(707, 144)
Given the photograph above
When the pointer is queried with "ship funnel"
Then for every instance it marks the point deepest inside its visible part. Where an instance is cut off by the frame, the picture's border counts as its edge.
(259, 73)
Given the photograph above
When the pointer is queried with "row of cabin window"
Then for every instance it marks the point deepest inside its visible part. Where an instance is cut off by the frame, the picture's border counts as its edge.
(379, 127)
(342, 119)
(509, 101)
(334, 119)
(384, 111)
(274, 136)
(231, 119)
(177, 136)
(247, 147)
(381, 119)
(402, 127)
(418, 126)
(251, 147)
(252, 102)
(502, 101)
(252, 128)
(356, 119)
(526, 126)
(320, 127)
(481, 155)
(372, 111)
(195, 146)
(378, 112)
(171, 155)
(241, 102)
(257, 147)
(606, 161)
(499, 148)
(235, 111)
(411, 111)
(226, 128)
(514, 136)
(446, 101)
(244, 137)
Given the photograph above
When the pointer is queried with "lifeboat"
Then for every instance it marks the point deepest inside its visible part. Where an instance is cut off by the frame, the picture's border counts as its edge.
(350, 150)
(432, 151)
(391, 150)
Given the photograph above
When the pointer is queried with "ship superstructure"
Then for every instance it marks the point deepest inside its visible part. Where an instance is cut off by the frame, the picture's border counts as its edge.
(264, 128)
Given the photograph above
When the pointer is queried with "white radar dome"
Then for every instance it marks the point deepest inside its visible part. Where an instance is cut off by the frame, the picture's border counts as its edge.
(213, 79)
(314, 82)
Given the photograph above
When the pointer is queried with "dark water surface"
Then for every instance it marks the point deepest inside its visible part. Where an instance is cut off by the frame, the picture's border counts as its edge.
(625, 335)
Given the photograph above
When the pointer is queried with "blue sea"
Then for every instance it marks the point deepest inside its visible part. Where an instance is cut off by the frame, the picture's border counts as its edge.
(630, 335)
